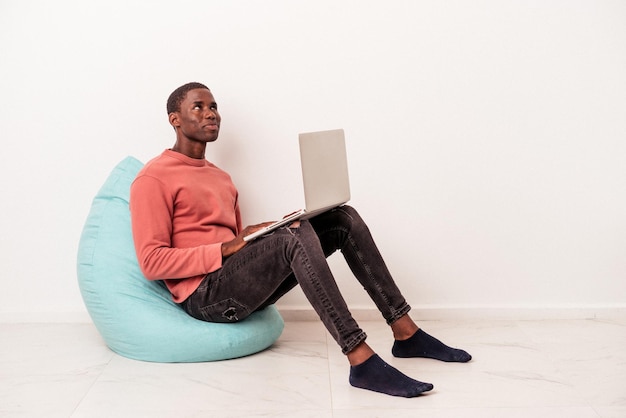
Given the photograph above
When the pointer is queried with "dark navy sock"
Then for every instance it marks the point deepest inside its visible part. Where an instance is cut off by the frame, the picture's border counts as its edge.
(374, 374)
(423, 345)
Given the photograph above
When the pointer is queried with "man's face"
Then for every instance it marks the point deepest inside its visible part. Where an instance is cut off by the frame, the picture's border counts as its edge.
(198, 119)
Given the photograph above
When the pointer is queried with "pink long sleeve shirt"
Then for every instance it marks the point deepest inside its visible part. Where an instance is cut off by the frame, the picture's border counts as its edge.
(182, 210)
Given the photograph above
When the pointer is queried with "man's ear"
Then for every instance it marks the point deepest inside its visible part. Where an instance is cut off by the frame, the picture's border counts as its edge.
(173, 117)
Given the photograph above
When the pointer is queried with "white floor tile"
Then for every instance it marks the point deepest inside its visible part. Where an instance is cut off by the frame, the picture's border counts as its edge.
(46, 370)
(469, 413)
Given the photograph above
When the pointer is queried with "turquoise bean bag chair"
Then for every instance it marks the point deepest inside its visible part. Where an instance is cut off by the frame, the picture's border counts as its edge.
(136, 317)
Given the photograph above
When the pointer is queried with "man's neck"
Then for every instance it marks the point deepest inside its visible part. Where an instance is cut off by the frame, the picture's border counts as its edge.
(195, 150)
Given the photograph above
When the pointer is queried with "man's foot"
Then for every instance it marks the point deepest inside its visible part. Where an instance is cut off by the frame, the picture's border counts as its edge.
(423, 345)
(374, 374)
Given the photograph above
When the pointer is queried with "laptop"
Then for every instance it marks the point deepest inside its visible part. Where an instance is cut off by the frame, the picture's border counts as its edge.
(324, 177)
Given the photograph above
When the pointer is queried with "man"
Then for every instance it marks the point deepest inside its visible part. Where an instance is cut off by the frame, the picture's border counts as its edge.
(188, 232)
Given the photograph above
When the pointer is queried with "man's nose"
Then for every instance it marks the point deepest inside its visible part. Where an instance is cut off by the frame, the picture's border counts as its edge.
(210, 114)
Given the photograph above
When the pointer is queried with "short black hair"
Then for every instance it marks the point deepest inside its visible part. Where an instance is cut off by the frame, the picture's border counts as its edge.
(178, 95)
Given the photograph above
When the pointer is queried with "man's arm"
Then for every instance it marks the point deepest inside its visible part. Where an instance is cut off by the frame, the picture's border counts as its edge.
(152, 209)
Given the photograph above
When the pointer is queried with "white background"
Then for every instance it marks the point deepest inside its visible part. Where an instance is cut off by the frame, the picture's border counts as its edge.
(486, 139)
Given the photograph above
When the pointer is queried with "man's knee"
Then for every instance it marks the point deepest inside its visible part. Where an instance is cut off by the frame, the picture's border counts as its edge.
(350, 216)
(348, 210)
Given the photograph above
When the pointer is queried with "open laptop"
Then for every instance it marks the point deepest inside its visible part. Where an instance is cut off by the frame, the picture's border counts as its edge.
(324, 177)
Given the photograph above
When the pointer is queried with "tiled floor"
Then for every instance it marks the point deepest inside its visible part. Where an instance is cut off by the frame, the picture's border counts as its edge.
(559, 368)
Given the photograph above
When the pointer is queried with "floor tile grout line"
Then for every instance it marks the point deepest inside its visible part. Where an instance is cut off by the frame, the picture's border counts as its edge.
(93, 383)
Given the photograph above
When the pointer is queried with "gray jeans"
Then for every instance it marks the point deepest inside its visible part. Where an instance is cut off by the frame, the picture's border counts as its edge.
(267, 268)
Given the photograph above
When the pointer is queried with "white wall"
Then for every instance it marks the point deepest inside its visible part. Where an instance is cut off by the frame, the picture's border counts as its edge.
(486, 139)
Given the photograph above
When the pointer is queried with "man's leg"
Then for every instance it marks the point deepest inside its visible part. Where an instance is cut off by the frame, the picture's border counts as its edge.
(343, 229)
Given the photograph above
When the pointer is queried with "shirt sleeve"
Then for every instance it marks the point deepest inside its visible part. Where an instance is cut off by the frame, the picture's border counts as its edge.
(151, 210)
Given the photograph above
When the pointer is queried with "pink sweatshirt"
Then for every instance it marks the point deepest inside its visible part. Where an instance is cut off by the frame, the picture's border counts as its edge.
(182, 210)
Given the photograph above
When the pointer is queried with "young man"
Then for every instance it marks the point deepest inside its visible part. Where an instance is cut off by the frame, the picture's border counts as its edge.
(188, 232)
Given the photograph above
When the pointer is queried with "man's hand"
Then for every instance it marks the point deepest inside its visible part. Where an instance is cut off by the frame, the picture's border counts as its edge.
(231, 247)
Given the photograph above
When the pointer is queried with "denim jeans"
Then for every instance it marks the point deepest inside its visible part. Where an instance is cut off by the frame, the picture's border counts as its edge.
(267, 268)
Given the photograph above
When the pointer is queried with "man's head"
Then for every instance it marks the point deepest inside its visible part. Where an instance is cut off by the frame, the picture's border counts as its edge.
(192, 112)
(178, 95)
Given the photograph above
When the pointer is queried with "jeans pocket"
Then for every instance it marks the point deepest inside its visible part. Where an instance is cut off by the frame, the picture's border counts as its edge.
(228, 310)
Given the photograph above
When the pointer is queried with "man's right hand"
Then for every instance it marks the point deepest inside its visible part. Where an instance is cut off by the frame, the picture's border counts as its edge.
(231, 247)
